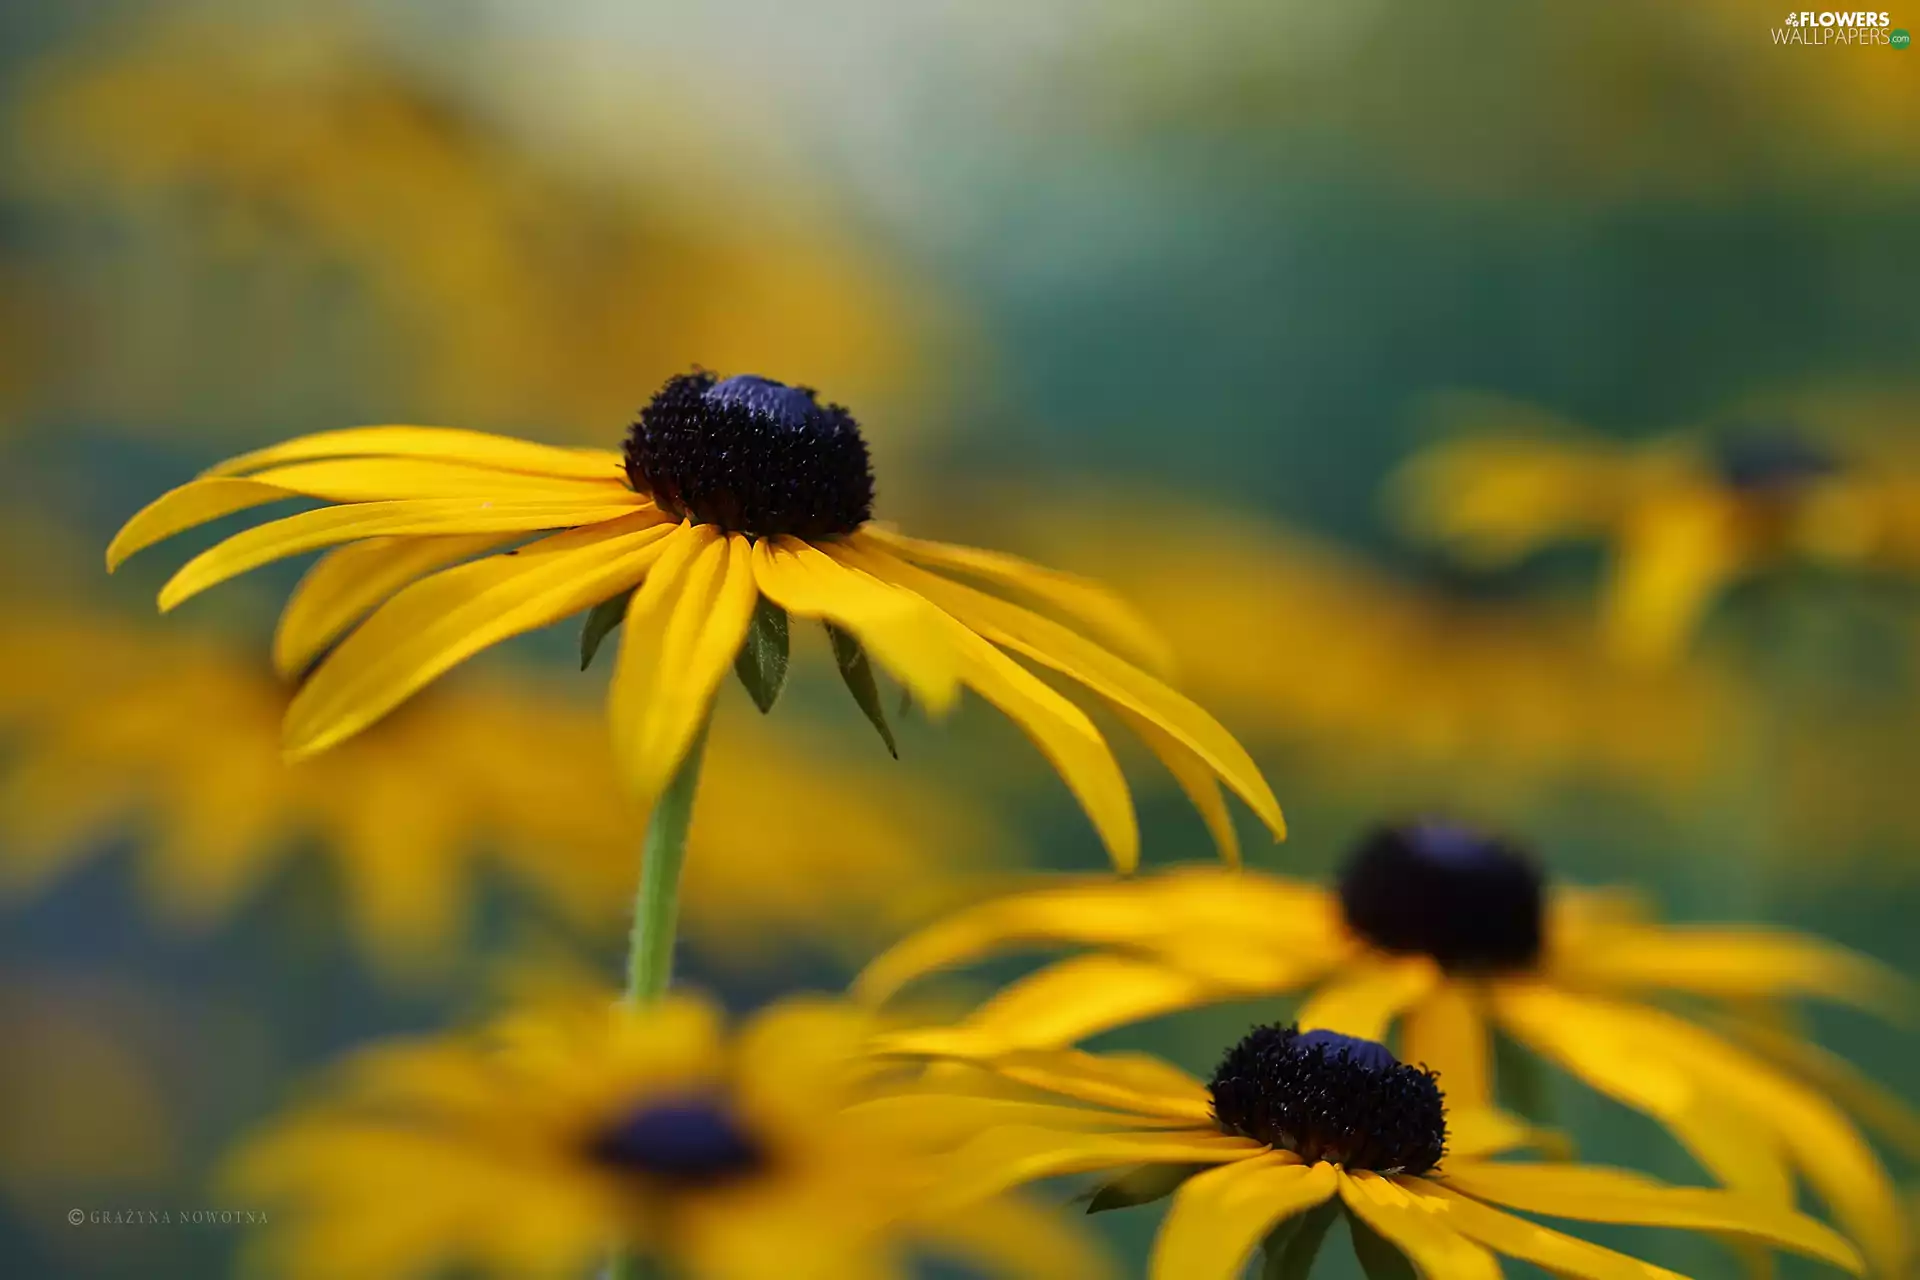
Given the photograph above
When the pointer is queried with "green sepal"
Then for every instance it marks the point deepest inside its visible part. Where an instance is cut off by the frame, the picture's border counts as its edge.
(601, 620)
(1292, 1245)
(761, 663)
(1143, 1185)
(1379, 1259)
(858, 674)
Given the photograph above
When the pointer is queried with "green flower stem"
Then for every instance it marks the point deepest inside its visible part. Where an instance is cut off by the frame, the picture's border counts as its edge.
(656, 913)
(656, 905)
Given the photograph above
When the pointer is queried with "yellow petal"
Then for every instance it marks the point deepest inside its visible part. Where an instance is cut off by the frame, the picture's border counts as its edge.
(1364, 1000)
(1125, 1081)
(1476, 1131)
(329, 526)
(1676, 553)
(1417, 1229)
(1062, 1004)
(1090, 602)
(387, 479)
(1592, 1195)
(476, 448)
(1015, 1154)
(682, 632)
(1728, 1143)
(901, 630)
(1202, 788)
(1009, 1237)
(1873, 1105)
(1053, 645)
(348, 582)
(1730, 962)
(1447, 1032)
(441, 621)
(1218, 1217)
(1825, 1146)
(1062, 732)
(194, 503)
(1517, 1238)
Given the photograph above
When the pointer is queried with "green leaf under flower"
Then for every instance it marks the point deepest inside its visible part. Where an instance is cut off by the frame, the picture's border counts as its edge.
(858, 674)
(1143, 1185)
(1292, 1245)
(1379, 1259)
(601, 620)
(761, 663)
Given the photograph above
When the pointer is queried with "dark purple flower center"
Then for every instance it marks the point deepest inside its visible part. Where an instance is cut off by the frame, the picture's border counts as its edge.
(1769, 458)
(752, 456)
(1325, 1096)
(693, 1140)
(1471, 901)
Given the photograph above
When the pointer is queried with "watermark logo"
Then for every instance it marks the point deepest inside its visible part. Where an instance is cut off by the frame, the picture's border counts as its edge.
(130, 1216)
(1827, 28)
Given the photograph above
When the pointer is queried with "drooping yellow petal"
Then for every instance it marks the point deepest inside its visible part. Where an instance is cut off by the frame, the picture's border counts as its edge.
(1055, 646)
(192, 504)
(329, 526)
(1731, 962)
(1364, 1000)
(346, 584)
(1588, 1194)
(1010, 1237)
(1677, 551)
(1063, 1004)
(901, 630)
(1748, 1093)
(1198, 781)
(942, 1120)
(1446, 1032)
(1083, 599)
(1417, 1229)
(444, 619)
(682, 632)
(1476, 1131)
(1219, 1216)
(1874, 1106)
(1729, 1144)
(1062, 732)
(1517, 1238)
(1014, 1154)
(475, 448)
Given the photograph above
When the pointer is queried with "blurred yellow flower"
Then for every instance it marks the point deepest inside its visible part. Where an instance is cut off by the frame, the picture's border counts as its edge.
(570, 1127)
(1449, 933)
(508, 283)
(737, 503)
(1294, 1128)
(176, 738)
(1684, 516)
(1372, 674)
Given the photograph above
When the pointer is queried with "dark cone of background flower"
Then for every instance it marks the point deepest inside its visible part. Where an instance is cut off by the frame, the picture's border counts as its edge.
(1471, 901)
(690, 1141)
(752, 456)
(1331, 1097)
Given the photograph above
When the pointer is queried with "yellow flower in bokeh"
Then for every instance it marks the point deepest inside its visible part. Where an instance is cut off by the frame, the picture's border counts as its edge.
(1448, 933)
(737, 503)
(576, 1125)
(1684, 516)
(509, 279)
(1372, 674)
(176, 739)
(1294, 1128)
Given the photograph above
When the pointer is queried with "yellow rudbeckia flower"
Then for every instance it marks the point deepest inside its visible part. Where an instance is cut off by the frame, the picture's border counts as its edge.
(1449, 934)
(1295, 1128)
(736, 504)
(576, 1125)
(176, 738)
(1685, 516)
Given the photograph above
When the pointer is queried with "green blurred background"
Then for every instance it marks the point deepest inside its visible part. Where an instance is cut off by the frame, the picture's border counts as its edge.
(1111, 285)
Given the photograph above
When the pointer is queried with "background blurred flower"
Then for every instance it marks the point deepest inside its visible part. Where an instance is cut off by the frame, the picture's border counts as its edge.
(1683, 518)
(279, 188)
(118, 729)
(569, 1127)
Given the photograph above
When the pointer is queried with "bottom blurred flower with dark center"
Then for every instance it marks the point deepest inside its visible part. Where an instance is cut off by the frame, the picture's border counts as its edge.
(576, 1126)
(1294, 1128)
(177, 738)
